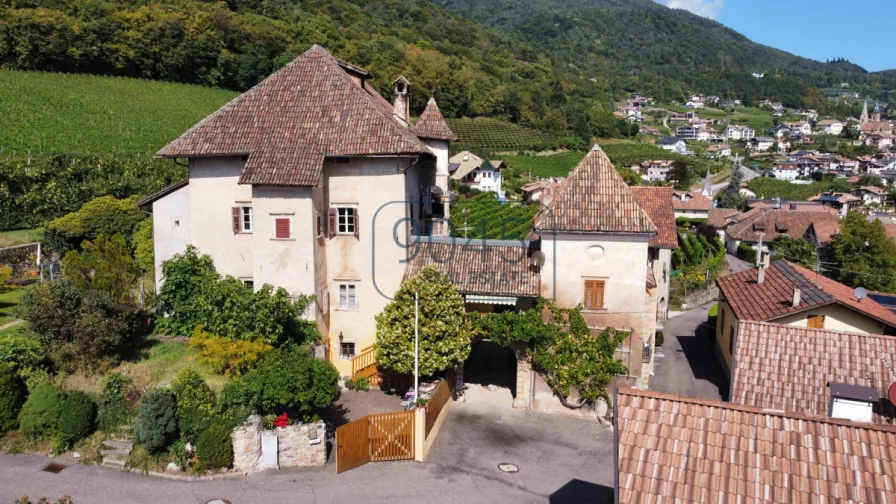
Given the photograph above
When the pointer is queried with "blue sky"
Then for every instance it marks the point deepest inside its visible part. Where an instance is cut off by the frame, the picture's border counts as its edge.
(817, 29)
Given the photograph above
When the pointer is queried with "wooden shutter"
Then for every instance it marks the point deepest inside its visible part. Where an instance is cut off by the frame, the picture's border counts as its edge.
(594, 294)
(281, 227)
(318, 224)
(355, 218)
(332, 219)
(237, 214)
(815, 322)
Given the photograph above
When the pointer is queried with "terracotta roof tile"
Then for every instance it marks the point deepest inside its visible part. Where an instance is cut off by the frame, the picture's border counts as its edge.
(696, 202)
(774, 222)
(788, 368)
(492, 270)
(718, 217)
(773, 298)
(674, 449)
(657, 202)
(595, 199)
(310, 108)
(431, 124)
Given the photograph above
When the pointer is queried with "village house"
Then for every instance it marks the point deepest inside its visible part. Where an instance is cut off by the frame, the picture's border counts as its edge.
(786, 293)
(830, 126)
(780, 131)
(673, 144)
(481, 174)
(595, 239)
(655, 170)
(696, 101)
(279, 192)
(684, 117)
(785, 171)
(735, 132)
(870, 195)
(649, 130)
(541, 190)
(761, 144)
(841, 202)
(802, 127)
(764, 224)
(718, 151)
(656, 201)
(691, 204)
(882, 141)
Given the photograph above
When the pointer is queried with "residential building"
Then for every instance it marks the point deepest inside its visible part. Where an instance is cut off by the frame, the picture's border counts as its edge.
(785, 171)
(842, 202)
(761, 144)
(767, 223)
(541, 191)
(870, 195)
(673, 144)
(595, 239)
(482, 174)
(656, 170)
(780, 131)
(280, 192)
(802, 127)
(686, 132)
(784, 367)
(696, 102)
(830, 126)
(718, 220)
(882, 141)
(717, 151)
(691, 204)
(690, 115)
(735, 132)
(649, 130)
(728, 104)
(785, 293)
(677, 449)
(657, 202)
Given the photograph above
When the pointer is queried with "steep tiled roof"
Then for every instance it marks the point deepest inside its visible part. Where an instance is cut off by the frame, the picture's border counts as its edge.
(696, 202)
(466, 162)
(834, 197)
(431, 124)
(788, 368)
(718, 217)
(657, 202)
(773, 298)
(674, 449)
(595, 199)
(492, 270)
(313, 107)
(773, 222)
(825, 231)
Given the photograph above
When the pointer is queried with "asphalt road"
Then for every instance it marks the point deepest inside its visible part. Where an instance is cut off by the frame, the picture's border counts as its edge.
(562, 461)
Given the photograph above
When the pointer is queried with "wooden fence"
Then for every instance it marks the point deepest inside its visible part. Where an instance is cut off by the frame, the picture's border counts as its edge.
(375, 438)
(364, 359)
(440, 397)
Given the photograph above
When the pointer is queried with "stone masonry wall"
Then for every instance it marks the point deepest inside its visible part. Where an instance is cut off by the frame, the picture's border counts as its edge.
(294, 445)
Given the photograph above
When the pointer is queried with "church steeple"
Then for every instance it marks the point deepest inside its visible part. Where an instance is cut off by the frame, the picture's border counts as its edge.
(707, 185)
(864, 118)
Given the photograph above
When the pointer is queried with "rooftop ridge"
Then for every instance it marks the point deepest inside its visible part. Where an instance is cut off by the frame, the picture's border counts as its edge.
(881, 337)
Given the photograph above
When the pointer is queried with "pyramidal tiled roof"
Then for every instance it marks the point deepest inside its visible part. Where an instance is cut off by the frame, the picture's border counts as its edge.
(594, 199)
(315, 106)
(432, 125)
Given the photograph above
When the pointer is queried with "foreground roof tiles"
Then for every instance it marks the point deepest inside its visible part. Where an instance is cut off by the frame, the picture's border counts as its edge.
(657, 202)
(788, 368)
(671, 449)
(595, 199)
(773, 298)
(432, 125)
(315, 106)
(490, 270)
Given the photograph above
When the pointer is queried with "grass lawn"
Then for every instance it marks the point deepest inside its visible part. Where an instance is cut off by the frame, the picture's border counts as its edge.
(18, 237)
(9, 300)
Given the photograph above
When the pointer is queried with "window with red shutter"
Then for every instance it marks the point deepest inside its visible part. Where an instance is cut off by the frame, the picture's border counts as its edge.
(281, 227)
(332, 217)
(356, 221)
(237, 214)
(318, 224)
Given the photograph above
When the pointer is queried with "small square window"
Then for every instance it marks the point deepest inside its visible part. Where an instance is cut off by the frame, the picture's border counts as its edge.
(282, 227)
(348, 299)
(249, 283)
(346, 220)
(247, 219)
(346, 350)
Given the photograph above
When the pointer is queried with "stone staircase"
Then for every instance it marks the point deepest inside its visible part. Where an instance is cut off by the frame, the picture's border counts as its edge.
(116, 450)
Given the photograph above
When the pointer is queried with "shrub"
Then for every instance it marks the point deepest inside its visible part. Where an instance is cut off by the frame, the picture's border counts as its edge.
(227, 356)
(195, 403)
(113, 410)
(659, 339)
(21, 351)
(78, 418)
(287, 379)
(143, 247)
(362, 384)
(215, 448)
(12, 396)
(156, 425)
(105, 215)
(350, 384)
(40, 413)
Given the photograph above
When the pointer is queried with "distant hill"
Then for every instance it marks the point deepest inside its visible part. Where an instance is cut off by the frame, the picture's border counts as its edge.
(845, 65)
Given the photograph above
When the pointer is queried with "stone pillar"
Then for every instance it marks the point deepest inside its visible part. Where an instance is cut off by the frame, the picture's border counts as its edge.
(523, 376)
(247, 444)
(419, 434)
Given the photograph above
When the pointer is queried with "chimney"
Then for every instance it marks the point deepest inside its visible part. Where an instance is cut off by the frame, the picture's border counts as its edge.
(401, 106)
(796, 297)
(761, 275)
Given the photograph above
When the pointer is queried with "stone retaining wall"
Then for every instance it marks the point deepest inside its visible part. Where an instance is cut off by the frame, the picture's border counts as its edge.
(295, 448)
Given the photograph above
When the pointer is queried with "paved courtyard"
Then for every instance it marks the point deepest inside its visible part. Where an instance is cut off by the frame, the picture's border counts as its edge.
(562, 460)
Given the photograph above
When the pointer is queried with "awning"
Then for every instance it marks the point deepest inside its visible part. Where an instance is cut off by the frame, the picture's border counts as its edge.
(491, 300)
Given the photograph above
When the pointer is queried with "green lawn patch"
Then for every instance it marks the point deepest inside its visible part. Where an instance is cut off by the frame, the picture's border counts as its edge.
(557, 165)
(20, 236)
(9, 301)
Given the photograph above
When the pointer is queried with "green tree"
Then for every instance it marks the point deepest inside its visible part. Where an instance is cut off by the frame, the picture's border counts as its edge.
(444, 339)
(731, 197)
(105, 215)
(156, 424)
(795, 250)
(143, 247)
(195, 403)
(105, 266)
(864, 254)
(12, 396)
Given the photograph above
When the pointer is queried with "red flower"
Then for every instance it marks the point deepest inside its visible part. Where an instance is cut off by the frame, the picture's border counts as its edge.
(282, 421)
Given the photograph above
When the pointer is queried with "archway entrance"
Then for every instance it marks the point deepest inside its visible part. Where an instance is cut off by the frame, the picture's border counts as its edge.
(490, 374)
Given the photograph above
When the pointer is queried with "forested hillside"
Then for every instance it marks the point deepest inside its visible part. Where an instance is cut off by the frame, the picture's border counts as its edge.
(642, 45)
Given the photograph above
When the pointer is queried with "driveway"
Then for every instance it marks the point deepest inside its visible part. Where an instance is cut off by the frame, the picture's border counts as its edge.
(736, 265)
(687, 365)
(562, 460)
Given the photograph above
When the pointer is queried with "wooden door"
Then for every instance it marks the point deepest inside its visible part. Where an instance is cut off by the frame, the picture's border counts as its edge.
(815, 322)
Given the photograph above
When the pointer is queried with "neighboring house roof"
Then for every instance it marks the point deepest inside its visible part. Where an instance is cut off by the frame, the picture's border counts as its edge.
(676, 449)
(718, 217)
(872, 189)
(772, 222)
(432, 125)
(718, 147)
(825, 231)
(490, 270)
(829, 122)
(788, 368)
(672, 140)
(656, 202)
(773, 298)
(313, 107)
(152, 198)
(466, 162)
(834, 197)
(696, 202)
(595, 199)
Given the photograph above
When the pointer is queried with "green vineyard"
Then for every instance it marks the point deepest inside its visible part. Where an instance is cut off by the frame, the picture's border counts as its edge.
(483, 136)
(557, 165)
(483, 216)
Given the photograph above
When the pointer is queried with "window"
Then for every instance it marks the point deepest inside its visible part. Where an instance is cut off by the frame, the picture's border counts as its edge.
(249, 283)
(247, 219)
(815, 321)
(346, 220)
(242, 219)
(346, 350)
(594, 294)
(282, 227)
(348, 299)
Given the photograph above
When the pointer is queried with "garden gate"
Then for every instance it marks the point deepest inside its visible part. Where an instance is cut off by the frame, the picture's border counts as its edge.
(375, 438)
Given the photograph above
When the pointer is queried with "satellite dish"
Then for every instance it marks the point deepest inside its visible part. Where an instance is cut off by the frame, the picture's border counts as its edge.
(537, 260)
(891, 393)
(860, 293)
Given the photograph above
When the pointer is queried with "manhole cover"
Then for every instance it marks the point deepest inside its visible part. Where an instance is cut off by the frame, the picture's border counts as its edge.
(508, 468)
(53, 468)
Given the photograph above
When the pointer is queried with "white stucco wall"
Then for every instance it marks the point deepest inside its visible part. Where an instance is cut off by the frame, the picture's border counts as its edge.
(836, 318)
(171, 229)
(663, 263)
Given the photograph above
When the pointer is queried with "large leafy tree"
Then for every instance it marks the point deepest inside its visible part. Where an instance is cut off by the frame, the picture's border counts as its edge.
(865, 255)
(731, 197)
(105, 266)
(794, 250)
(444, 336)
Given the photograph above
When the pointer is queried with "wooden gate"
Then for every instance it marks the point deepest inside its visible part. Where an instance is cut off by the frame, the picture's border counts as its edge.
(375, 438)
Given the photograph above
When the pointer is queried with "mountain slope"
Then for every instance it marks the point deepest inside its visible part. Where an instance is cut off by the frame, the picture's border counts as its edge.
(667, 52)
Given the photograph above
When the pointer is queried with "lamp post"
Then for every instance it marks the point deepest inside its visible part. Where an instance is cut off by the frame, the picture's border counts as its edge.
(416, 344)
